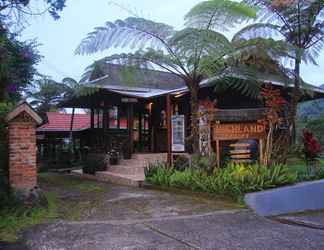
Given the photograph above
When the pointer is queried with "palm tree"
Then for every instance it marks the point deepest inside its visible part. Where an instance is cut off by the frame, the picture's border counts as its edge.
(45, 95)
(188, 53)
(300, 23)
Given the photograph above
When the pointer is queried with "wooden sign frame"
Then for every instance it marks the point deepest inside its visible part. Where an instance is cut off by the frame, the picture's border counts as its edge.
(238, 131)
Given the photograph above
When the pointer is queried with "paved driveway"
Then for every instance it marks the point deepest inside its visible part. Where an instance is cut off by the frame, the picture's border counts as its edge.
(103, 216)
(221, 230)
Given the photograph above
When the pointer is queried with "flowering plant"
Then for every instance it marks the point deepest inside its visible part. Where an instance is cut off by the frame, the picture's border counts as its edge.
(311, 146)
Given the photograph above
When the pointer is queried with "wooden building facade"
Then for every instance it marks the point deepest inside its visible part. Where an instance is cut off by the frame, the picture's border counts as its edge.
(149, 99)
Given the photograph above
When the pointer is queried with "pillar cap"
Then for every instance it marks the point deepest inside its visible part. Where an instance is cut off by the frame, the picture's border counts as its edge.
(22, 107)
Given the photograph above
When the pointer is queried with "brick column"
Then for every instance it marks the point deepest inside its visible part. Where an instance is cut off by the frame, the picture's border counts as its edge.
(22, 154)
(22, 123)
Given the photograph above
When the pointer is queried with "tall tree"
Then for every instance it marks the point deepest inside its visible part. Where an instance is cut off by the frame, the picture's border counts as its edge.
(300, 23)
(187, 53)
(13, 11)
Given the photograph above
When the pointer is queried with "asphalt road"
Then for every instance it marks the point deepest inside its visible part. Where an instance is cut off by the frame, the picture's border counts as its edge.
(219, 230)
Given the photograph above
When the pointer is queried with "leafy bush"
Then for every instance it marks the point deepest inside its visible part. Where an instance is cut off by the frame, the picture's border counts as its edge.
(180, 162)
(158, 173)
(94, 162)
(234, 180)
(4, 187)
(204, 163)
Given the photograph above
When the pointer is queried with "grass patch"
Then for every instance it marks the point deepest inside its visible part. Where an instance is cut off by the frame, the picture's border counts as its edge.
(75, 197)
(15, 218)
(299, 167)
(69, 182)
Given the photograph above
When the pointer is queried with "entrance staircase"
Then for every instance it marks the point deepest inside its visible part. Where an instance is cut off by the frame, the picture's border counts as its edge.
(129, 172)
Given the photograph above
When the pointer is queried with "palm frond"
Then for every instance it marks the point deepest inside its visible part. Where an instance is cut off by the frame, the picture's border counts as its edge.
(219, 14)
(132, 32)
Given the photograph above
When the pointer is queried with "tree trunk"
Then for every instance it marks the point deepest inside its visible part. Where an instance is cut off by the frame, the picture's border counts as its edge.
(71, 151)
(194, 118)
(294, 100)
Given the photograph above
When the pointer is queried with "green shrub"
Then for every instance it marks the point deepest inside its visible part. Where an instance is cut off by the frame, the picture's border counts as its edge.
(204, 163)
(94, 162)
(4, 187)
(184, 179)
(234, 180)
(158, 173)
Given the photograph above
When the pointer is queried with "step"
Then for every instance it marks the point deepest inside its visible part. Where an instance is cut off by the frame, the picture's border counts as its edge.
(150, 157)
(128, 170)
(121, 179)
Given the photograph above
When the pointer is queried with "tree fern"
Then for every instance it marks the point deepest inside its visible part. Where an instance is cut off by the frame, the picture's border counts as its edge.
(219, 14)
(132, 32)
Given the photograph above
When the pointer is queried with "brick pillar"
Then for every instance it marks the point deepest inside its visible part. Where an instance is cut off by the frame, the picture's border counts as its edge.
(22, 147)
(22, 155)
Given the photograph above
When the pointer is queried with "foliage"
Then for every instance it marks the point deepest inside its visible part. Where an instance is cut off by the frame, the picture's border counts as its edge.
(234, 180)
(217, 14)
(204, 163)
(94, 162)
(4, 187)
(301, 25)
(275, 104)
(311, 146)
(17, 65)
(14, 11)
(316, 125)
(45, 94)
(15, 217)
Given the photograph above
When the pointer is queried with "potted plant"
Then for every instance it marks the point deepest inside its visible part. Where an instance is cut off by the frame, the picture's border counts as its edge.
(113, 157)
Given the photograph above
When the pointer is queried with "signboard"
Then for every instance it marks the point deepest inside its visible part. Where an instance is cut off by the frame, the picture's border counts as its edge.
(238, 131)
(128, 100)
(178, 133)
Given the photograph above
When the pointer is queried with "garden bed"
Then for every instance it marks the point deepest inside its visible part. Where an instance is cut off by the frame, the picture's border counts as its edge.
(234, 180)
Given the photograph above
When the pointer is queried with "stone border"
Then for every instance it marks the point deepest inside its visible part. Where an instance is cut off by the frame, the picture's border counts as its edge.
(305, 196)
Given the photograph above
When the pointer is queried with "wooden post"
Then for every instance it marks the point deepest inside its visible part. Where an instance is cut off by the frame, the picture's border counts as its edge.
(217, 153)
(92, 118)
(130, 125)
(118, 117)
(140, 135)
(169, 132)
(261, 151)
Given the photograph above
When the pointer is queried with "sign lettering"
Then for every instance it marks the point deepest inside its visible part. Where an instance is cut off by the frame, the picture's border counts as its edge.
(237, 131)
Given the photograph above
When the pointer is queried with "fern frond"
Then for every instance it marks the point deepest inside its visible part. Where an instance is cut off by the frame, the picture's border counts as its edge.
(257, 30)
(132, 32)
(219, 14)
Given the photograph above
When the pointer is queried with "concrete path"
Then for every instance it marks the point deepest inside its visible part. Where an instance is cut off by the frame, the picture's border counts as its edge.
(219, 230)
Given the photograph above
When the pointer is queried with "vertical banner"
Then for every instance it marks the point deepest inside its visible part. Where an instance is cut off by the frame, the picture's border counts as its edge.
(178, 133)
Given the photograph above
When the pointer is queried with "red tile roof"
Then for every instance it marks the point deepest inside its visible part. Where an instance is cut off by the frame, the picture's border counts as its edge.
(61, 122)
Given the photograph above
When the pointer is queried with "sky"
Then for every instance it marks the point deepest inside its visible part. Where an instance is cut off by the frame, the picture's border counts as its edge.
(59, 39)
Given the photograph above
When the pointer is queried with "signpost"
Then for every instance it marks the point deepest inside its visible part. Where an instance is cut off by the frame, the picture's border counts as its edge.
(239, 131)
(178, 133)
